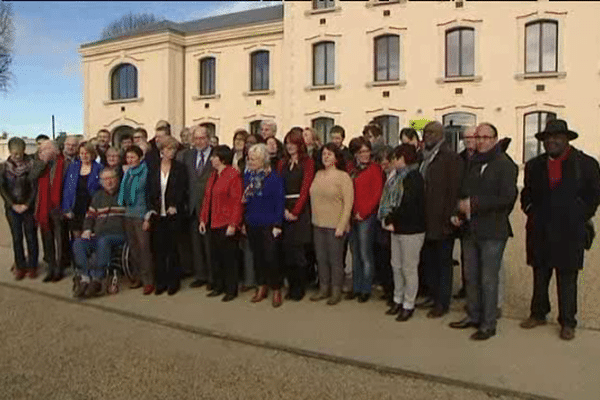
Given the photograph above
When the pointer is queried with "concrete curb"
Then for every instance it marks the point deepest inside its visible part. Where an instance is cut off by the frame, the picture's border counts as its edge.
(488, 389)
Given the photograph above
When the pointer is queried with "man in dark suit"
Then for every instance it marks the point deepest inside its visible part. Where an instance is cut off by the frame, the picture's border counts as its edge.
(561, 193)
(197, 161)
(442, 170)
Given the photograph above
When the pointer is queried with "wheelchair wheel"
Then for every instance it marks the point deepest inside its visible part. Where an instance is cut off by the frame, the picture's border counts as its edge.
(125, 265)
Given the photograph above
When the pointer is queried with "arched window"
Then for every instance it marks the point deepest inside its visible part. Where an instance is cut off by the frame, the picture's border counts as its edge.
(533, 123)
(123, 82)
(387, 58)
(323, 63)
(259, 70)
(322, 126)
(390, 128)
(454, 126)
(541, 46)
(460, 52)
(255, 127)
(207, 76)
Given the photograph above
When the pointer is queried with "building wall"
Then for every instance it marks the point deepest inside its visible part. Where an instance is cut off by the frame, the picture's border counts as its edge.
(498, 94)
(233, 105)
(159, 61)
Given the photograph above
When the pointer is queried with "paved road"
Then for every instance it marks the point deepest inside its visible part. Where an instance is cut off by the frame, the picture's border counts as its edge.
(52, 349)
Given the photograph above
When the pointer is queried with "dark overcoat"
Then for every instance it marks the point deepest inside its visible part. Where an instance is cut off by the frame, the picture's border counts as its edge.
(556, 217)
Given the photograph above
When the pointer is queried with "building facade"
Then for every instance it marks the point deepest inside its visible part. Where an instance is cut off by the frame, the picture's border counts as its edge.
(326, 62)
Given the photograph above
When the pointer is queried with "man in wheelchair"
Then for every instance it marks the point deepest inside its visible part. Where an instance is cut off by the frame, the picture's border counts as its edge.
(102, 233)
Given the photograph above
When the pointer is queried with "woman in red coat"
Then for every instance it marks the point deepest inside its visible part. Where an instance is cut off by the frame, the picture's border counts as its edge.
(223, 208)
(368, 185)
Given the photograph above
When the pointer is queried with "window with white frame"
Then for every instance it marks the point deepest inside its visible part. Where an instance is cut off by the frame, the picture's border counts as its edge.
(533, 123)
(460, 52)
(541, 46)
(322, 126)
(387, 58)
(259, 70)
(124, 82)
(207, 76)
(323, 63)
(322, 4)
(390, 128)
(454, 126)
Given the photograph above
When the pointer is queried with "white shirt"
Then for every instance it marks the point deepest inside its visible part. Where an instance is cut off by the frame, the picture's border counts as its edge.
(164, 179)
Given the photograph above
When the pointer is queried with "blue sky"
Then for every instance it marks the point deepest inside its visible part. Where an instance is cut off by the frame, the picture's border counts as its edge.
(47, 70)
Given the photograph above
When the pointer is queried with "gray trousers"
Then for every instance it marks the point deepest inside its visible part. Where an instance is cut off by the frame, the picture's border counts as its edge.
(483, 259)
(140, 250)
(406, 253)
(329, 251)
(200, 251)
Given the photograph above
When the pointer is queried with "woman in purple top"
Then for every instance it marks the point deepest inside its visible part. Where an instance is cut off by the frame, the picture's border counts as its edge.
(264, 198)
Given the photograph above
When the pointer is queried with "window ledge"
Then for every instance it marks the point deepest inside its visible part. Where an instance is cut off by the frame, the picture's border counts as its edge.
(322, 10)
(259, 93)
(376, 3)
(474, 78)
(323, 87)
(206, 97)
(540, 75)
(386, 83)
(122, 101)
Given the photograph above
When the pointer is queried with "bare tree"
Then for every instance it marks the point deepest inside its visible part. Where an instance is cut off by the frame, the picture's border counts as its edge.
(128, 23)
(6, 42)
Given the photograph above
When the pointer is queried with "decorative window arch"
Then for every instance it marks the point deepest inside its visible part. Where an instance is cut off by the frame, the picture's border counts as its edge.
(208, 76)
(124, 82)
(259, 70)
(460, 52)
(386, 51)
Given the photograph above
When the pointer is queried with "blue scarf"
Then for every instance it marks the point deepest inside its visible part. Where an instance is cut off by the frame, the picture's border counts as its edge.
(393, 191)
(133, 180)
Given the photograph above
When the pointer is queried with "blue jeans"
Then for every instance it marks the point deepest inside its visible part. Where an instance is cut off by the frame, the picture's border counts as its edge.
(20, 223)
(103, 246)
(483, 259)
(362, 242)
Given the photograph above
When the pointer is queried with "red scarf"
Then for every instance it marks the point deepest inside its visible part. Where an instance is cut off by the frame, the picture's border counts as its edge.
(49, 193)
(555, 168)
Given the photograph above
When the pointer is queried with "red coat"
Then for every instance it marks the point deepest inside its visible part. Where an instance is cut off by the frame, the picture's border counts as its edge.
(368, 186)
(223, 199)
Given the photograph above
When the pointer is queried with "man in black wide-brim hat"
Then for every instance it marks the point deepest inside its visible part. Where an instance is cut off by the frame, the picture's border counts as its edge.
(561, 193)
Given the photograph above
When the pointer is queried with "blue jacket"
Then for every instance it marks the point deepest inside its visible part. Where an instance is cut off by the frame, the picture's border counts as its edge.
(266, 208)
(70, 183)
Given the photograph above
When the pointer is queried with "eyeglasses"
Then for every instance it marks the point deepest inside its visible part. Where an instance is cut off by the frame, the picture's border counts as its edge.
(469, 137)
(484, 137)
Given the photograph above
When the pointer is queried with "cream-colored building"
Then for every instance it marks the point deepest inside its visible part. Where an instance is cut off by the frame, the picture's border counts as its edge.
(340, 62)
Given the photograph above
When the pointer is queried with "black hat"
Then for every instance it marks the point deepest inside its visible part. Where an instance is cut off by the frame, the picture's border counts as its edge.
(556, 126)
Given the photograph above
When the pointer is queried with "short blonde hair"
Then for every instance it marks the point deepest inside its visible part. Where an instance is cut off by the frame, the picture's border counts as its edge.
(260, 149)
(166, 142)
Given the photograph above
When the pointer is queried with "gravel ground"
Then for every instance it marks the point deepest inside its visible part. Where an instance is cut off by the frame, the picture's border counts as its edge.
(56, 350)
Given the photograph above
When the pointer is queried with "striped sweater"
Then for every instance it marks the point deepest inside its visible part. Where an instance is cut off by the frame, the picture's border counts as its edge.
(104, 216)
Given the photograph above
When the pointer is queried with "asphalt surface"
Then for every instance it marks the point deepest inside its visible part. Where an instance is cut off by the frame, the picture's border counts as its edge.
(51, 349)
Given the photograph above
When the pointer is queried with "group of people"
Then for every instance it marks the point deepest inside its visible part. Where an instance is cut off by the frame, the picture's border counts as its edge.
(266, 212)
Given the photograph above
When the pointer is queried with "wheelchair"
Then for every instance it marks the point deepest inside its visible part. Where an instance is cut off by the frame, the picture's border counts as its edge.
(119, 266)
